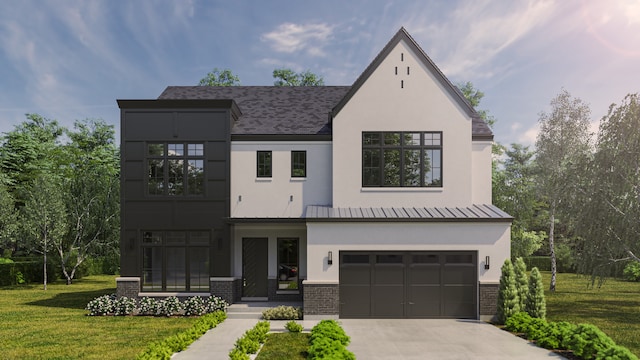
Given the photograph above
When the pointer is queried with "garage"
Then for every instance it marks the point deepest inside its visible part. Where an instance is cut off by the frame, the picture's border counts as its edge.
(410, 284)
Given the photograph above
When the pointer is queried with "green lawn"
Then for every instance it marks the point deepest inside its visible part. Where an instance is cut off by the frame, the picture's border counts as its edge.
(290, 346)
(614, 308)
(52, 324)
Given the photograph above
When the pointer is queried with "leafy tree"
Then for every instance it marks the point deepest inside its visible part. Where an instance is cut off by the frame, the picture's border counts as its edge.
(515, 192)
(8, 220)
(563, 139)
(91, 187)
(474, 96)
(219, 77)
(25, 153)
(44, 217)
(522, 283)
(610, 203)
(288, 77)
(535, 303)
(508, 301)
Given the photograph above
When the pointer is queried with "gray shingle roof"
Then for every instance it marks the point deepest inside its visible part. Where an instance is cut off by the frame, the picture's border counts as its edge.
(474, 213)
(271, 110)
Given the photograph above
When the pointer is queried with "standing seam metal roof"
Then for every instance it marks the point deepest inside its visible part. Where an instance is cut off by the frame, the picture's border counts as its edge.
(478, 212)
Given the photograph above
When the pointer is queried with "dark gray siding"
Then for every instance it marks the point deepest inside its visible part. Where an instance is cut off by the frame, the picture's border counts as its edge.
(162, 121)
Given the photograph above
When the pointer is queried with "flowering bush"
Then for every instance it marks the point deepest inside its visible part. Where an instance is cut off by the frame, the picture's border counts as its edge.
(102, 305)
(194, 306)
(215, 303)
(170, 306)
(148, 306)
(124, 306)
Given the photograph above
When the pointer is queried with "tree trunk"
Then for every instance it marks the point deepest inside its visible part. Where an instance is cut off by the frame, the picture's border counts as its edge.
(45, 263)
(552, 247)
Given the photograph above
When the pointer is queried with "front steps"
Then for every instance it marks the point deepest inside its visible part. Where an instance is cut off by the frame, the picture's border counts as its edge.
(254, 309)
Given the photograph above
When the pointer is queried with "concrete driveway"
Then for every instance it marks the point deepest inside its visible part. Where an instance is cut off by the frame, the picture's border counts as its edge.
(373, 339)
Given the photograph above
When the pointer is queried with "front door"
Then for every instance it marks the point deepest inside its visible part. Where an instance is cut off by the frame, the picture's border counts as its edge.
(254, 267)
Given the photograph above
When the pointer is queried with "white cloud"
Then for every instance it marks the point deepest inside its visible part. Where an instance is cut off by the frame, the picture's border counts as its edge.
(290, 38)
(530, 135)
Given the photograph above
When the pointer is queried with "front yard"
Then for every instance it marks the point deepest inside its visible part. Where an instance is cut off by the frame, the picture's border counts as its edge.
(37, 324)
(614, 308)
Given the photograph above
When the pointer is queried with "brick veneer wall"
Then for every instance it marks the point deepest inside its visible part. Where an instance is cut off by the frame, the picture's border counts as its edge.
(488, 300)
(225, 288)
(128, 286)
(321, 299)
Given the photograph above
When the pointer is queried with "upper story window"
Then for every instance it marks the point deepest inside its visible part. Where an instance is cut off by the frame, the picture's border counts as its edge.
(402, 159)
(264, 168)
(298, 164)
(175, 169)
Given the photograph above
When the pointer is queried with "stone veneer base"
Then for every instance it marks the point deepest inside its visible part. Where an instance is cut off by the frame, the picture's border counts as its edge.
(128, 286)
(321, 299)
(488, 300)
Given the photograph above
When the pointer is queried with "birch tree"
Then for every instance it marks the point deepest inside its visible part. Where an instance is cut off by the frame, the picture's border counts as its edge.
(563, 138)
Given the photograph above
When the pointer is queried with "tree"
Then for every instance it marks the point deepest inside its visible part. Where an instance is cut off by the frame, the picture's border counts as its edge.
(522, 283)
(515, 192)
(8, 221)
(474, 96)
(508, 301)
(610, 206)
(287, 77)
(219, 77)
(563, 139)
(91, 186)
(536, 305)
(44, 217)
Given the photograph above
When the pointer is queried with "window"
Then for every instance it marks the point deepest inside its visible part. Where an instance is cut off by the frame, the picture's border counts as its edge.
(298, 164)
(175, 260)
(288, 264)
(173, 171)
(264, 164)
(402, 159)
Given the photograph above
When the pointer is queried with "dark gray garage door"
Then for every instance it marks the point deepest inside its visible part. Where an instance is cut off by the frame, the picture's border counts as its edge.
(408, 284)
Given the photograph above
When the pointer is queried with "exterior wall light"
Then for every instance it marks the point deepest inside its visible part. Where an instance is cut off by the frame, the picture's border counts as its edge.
(486, 262)
(329, 258)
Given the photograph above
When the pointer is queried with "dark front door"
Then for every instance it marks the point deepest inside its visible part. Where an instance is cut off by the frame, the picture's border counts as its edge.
(254, 267)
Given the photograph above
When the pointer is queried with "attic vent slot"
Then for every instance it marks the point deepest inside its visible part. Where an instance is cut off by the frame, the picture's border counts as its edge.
(396, 70)
(401, 56)
(407, 70)
(401, 84)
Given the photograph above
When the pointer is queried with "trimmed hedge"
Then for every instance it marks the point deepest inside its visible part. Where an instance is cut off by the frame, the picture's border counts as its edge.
(250, 342)
(166, 348)
(584, 340)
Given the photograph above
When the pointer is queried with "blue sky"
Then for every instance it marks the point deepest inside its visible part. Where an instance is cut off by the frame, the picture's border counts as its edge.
(70, 60)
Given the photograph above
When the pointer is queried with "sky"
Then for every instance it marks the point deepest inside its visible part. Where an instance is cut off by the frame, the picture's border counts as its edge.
(70, 60)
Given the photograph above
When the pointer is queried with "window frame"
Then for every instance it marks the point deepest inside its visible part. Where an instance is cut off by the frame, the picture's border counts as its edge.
(185, 162)
(380, 146)
(279, 279)
(264, 168)
(296, 163)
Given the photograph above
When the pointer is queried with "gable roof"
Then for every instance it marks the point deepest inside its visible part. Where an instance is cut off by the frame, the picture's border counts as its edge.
(479, 128)
(271, 110)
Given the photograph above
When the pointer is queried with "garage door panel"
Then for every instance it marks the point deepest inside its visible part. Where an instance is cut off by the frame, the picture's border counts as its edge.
(459, 293)
(356, 274)
(424, 301)
(389, 274)
(355, 300)
(453, 274)
(424, 274)
(459, 310)
(388, 301)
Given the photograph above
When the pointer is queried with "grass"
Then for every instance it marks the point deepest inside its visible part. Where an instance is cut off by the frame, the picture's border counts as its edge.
(52, 324)
(614, 308)
(291, 346)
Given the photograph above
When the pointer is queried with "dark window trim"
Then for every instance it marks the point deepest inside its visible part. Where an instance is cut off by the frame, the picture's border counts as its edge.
(297, 240)
(264, 168)
(401, 147)
(303, 163)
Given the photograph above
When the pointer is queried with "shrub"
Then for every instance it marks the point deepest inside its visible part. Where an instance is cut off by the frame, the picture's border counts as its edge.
(215, 303)
(250, 342)
(169, 306)
(294, 327)
(148, 306)
(102, 305)
(329, 341)
(124, 306)
(167, 347)
(282, 313)
(195, 306)
(508, 302)
(536, 305)
(631, 271)
(522, 283)
(588, 341)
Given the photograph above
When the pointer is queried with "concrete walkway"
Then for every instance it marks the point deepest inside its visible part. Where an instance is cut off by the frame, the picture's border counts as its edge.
(373, 339)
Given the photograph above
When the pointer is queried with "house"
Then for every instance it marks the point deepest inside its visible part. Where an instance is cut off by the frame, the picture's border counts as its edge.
(363, 201)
